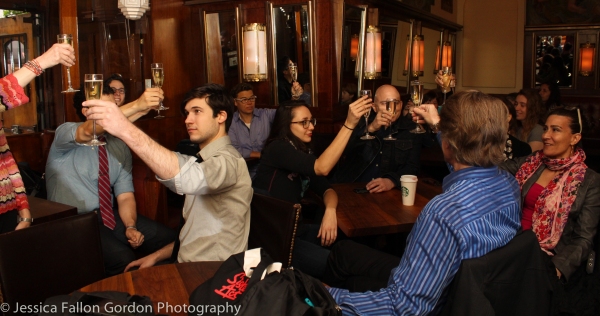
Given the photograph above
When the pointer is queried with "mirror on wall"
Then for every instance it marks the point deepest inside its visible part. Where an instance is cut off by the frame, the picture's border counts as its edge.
(353, 33)
(221, 40)
(293, 52)
(554, 59)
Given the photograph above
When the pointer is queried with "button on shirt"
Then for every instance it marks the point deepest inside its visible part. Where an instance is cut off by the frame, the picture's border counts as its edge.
(478, 212)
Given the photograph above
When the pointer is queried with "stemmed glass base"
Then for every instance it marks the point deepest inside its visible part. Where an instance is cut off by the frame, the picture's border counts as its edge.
(367, 136)
(418, 130)
(94, 142)
(69, 90)
(389, 137)
(160, 108)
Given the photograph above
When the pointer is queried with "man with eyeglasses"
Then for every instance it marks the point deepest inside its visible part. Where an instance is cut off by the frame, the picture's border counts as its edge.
(287, 88)
(381, 162)
(250, 126)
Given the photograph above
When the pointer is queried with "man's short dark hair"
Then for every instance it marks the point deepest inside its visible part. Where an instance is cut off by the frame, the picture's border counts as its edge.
(79, 98)
(216, 97)
(239, 88)
(114, 77)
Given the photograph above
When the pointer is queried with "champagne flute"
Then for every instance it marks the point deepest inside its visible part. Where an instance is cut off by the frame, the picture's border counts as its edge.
(417, 97)
(158, 76)
(68, 39)
(93, 91)
(446, 81)
(390, 106)
(293, 71)
(366, 115)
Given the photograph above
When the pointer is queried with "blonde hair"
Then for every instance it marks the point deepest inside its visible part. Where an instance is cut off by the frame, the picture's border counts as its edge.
(474, 125)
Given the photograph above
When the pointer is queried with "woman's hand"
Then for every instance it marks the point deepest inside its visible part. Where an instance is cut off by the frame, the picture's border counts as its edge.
(296, 90)
(426, 113)
(58, 53)
(357, 109)
(328, 230)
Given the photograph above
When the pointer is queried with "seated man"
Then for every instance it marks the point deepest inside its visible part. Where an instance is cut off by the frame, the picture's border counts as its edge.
(90, 178)
(478, 212)
(250, 127)
(218, 189)
(381, 162)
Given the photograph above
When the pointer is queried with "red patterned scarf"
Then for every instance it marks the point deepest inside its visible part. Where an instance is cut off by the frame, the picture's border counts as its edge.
(554, 203)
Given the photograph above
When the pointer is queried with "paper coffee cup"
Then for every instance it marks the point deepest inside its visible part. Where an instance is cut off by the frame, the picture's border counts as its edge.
(409, 189)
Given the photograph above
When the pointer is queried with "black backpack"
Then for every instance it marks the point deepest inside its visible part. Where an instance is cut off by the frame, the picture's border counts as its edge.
(289, 292)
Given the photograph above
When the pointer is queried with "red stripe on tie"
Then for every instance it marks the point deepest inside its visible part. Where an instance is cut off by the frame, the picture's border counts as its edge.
(104, 197)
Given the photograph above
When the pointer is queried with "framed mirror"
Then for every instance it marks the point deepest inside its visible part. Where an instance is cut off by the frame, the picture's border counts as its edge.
(353, 34)
(292, 43)
(221, 34)
(554, 58)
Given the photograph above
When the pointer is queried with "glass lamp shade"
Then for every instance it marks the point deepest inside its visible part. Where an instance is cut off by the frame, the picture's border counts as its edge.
(587, 53)
(254, 41)
(373, 54)
(446, 57)
(354, 47)
(418, 55)
(134, 9)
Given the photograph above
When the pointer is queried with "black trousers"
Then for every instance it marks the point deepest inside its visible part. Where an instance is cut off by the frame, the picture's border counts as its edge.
(358, 268)
(116, 250)
(8, 221)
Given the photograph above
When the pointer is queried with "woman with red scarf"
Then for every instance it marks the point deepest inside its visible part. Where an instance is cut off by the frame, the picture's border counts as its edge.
(561, 195)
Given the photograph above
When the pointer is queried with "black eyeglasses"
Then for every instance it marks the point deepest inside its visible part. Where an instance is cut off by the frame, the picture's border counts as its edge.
(306, 123)
(247, 100)
(118, 91)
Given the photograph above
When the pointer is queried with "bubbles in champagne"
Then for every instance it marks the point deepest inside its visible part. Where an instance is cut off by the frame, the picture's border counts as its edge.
(93, 89)
(158, 76)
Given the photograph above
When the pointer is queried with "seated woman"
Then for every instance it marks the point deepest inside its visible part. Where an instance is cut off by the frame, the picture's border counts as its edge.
(529, 112)
(288, 168)
(514, 147)
(561, 195)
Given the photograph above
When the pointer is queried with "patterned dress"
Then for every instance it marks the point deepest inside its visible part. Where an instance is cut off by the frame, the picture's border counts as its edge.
(12, 189)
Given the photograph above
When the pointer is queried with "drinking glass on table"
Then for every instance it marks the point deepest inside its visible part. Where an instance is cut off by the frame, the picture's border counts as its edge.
(68, 39)
(93, 91)
(390, 106)
(446, 81)
(158, 76)
(417, 96)
(369, 95)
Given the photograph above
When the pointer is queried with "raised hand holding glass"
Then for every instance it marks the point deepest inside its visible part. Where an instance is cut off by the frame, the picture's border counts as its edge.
(417, 96)
(390, 106)
(67, 39)
(369, 95)
(158, 76)
(93, 91)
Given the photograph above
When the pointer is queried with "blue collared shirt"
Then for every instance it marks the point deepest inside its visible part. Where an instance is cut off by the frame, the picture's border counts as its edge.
(247, 140)
(478, 212)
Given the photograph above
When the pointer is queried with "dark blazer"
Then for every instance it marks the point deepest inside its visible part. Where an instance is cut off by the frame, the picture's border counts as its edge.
(577, 238)
(512, 280)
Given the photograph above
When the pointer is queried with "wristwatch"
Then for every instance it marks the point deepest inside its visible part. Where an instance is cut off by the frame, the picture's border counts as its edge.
(24, 219)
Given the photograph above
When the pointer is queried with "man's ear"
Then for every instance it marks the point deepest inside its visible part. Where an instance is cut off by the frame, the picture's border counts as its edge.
(222, 117)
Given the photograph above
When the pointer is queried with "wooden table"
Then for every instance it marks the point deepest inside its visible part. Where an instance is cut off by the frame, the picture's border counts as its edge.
(172, 283)
(44, 210)
(375, 214)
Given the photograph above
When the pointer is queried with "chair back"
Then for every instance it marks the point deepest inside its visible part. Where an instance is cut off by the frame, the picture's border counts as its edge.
(50, 259)
(273, 225)
(512, 280)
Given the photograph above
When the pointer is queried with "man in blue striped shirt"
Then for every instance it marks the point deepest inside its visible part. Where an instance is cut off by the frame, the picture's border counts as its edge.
(478, 212)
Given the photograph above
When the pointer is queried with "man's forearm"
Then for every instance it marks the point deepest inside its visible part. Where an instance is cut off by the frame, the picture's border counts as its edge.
(162, 161)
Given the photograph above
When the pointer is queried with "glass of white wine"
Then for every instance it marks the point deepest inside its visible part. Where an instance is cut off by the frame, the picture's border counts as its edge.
(158, 76)
(68, 39)
(293, 71)
(446, 81)
(417, 96)
(93, 91)
(390, 106)
(366, 136)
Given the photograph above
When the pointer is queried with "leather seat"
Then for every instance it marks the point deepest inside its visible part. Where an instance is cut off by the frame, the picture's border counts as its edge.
(50, 259)
(273, 225)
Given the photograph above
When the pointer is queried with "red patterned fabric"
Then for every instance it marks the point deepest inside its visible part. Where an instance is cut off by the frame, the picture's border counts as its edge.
(554, 203)
(106, 211)
(12, 189)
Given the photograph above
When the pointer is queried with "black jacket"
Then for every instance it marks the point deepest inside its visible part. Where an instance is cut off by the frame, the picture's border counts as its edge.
(398, 157)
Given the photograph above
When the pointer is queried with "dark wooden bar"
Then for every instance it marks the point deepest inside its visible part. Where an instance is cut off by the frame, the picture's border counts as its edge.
(44, 211)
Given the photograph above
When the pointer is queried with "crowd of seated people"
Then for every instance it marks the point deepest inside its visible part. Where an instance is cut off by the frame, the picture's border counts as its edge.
(508, 173)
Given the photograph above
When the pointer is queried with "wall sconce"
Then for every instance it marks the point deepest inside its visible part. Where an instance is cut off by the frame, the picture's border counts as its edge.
(418, 55)
(134, 9)
(254, 43)
(373, 53)
(446, 57)
(587, 53)
(354, 47)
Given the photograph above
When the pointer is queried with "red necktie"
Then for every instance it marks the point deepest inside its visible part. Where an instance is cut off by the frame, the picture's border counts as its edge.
(108, 217)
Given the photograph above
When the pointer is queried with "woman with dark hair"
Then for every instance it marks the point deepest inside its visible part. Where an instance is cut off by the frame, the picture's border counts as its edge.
(560, 194)
(117, 84)
(529, 112)
(550, 94)
(288, 168)
(514, 147)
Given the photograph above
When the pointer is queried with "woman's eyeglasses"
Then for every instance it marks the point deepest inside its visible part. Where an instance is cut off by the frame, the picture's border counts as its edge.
(118, 91)
(247, 100)
(306, 123)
